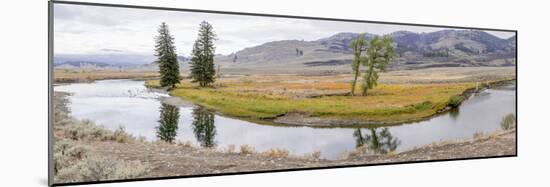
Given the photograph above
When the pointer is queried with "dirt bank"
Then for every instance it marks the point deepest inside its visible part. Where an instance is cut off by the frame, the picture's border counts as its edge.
(176, 160)
(502, 143)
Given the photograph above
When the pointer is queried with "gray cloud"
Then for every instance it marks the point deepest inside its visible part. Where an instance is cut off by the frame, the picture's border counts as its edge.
(82, 29)
(111, 50)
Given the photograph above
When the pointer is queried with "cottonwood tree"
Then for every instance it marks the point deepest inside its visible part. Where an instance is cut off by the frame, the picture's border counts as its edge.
(167, 59)
(379, 54)
(358, 46)
(202, 60)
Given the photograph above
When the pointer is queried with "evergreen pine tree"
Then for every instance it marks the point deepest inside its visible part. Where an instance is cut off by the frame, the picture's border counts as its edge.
(167, 59)
(202, 60)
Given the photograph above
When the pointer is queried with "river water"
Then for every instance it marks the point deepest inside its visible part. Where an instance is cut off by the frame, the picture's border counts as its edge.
(128, 103)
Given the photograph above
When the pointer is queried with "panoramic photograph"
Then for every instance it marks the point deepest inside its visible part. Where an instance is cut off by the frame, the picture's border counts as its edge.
(150, 93)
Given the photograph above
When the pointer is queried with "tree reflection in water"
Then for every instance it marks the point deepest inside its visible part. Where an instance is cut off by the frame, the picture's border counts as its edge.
(376, 140)
(168, 123)
(454, 113)
(203, 127)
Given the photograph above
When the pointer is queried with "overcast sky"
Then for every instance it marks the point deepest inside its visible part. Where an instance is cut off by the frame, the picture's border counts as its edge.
(80, 29)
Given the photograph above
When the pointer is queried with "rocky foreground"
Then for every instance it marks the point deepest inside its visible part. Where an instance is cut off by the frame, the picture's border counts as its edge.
(176, 160)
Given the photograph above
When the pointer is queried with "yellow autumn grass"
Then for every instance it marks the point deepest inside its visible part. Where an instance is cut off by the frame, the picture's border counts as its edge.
(385, 103)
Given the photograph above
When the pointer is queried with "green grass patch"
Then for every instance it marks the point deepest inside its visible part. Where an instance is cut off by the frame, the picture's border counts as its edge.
(385, 103)
(455, 101)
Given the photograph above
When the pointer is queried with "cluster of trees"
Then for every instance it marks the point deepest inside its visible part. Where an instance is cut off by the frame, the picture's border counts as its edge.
(373, 55)
(202, 69)
(299, 52)
(441, 53)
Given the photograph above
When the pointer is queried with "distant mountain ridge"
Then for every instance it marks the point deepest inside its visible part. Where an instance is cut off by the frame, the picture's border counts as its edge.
(415, 50)
(445, 48)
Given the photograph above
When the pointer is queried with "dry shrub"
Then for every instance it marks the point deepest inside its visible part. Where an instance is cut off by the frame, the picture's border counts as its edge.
(478, 135)
(96, 168)
(61, 118)
(161, 142)
(67, 153)
(87, 131)
(247, 149)
(121, 136)
(357, 152)
(230, 148)
(142, 139)
(74, 162)
(315, 155)
(187, 144)
(275, 153)
(508, 122)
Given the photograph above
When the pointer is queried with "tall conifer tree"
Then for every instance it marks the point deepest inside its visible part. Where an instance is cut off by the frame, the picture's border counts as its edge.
(202, 61)
(167, 59)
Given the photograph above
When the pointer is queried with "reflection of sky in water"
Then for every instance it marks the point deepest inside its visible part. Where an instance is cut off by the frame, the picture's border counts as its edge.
(128, 103)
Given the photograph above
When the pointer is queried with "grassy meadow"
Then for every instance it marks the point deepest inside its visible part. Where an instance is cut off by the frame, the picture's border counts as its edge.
(400, 96)
(70, 76)
(261, 97)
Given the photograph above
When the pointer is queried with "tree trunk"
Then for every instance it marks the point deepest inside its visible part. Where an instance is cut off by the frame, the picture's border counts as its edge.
(364, 93)
(354, 82)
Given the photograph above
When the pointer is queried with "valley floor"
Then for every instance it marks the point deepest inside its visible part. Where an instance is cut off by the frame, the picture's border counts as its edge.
(324, 100)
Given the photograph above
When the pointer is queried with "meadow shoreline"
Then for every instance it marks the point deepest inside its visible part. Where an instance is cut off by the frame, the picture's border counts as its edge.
(303, 119)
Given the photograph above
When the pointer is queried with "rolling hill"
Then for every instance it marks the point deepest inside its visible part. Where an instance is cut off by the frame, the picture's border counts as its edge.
(446, 48)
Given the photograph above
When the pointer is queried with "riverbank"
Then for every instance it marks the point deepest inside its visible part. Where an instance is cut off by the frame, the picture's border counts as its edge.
(324, 101)
(84, 152)
(500, 143)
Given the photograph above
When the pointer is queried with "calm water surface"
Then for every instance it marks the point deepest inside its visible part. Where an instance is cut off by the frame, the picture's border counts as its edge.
(114, 103)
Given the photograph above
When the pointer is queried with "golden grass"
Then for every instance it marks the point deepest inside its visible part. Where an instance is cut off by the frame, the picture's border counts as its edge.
(63, 76)
(385, 103)
(275, 153)
(246, 150)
